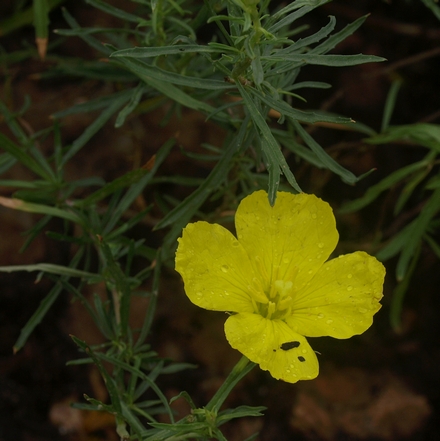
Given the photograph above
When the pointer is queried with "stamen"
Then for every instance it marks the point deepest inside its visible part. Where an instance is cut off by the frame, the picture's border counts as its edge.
(284, 303)
(257, 292)
(272, 307)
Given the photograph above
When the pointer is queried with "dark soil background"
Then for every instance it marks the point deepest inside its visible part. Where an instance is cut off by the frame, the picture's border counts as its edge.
(383, 385)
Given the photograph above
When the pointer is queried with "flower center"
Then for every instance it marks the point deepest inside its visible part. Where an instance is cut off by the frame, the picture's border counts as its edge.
(279, 301)
(273, 291)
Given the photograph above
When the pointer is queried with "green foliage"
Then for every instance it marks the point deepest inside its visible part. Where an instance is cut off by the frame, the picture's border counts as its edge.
(421, 178)
(244, 75)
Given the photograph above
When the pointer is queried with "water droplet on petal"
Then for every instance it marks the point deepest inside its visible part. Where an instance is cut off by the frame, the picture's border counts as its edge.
(225, 268)
(329, 321)
(320, 316)
(349, 288)
(320, 245)
(349, 276)
(314, 216)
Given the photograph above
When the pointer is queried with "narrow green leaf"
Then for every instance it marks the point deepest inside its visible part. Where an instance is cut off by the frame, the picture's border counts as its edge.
(427, 135)
(335, 39)
(389, 104)
(182, 214)
(108, 380)
(93, 105)
(52, 269)
(142, 376)
(37, 317)
(126, 180)
(25, 158)
(144, 70)
(91, 41)
(148, 321)
(394, 178)
(116, 12)
(114, 274)
(14, 126)
(23, 18)
(94, 127)
(41, 18)
(418, 228)
(45, 305)
(132, 104)
(136, 188)
(18, 204)
(433, 5)
(299, 115)
(104, 322)
(239, 412)
(276, 162)
(327, 160)
(311, 39)
(325, 60)
(400, 290)
(149, 52)
(6, 162)
(289, 19)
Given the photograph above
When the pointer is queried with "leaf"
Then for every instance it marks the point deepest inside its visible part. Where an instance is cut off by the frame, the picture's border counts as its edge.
(305, 7)
(18, 204)
(126, 180)
(418, 228)
(93, 105)
(432, 4)
(182, 214)
(169, 90)
(375, 190)
(136, 188)
(37, 317)
(23, 156)
(144, 70)
(276, 162)
(95, 126)
(149, 52)
(427, 135)
(44, 306)
(132, 104)
(108, 380)
(299, 115)
(119, 13)
(326, 159)
(400, 290)
(325, 60)
(53, 269)
(389, 104)
(23, 18)
(335, 39)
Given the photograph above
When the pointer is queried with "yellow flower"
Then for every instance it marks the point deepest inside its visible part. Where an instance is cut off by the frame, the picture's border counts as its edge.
(275, 281)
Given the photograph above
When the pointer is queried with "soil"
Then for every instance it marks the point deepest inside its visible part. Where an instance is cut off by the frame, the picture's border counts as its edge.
(382, 385)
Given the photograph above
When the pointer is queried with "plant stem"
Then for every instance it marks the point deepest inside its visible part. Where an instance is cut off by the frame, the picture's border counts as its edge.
(240, 370)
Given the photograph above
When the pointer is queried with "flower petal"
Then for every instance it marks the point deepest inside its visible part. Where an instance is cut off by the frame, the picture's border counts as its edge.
(341, 299)
(290, 240)
(215, 268)
(273, 345)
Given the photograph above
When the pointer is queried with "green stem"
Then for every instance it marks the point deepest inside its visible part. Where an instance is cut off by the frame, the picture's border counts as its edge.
(240, 370)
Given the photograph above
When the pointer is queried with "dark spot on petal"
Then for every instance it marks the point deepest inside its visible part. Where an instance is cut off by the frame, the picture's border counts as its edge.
(289, 345)
(301, 359)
